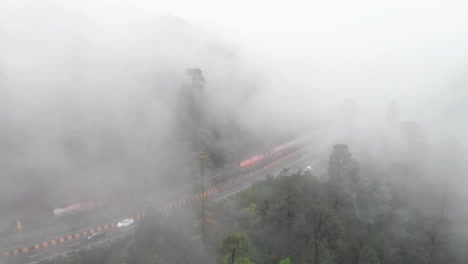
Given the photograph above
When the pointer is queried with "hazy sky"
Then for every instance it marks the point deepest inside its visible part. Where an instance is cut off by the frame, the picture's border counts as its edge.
(118, 64)
(415, 52)
(350, 37)
(373, 49)
(411, 51)
(93, 87)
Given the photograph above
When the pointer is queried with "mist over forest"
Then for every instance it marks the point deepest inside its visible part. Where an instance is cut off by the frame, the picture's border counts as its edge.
(90, 109)
(129, 105)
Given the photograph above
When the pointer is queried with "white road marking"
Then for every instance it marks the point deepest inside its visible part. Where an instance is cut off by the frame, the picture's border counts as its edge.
(73, 244)
(50, 238)
(35, 255)
(242, 186)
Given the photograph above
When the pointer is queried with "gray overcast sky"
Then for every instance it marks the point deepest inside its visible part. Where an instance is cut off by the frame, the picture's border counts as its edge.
(391, 44)
(404, 42)
(373, 51)
(412, 51)
(295, 29)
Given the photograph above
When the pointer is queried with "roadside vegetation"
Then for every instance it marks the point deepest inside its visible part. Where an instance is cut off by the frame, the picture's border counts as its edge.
(352, 216)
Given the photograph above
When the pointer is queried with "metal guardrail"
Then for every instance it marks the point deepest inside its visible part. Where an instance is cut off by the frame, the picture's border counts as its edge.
(170, 206)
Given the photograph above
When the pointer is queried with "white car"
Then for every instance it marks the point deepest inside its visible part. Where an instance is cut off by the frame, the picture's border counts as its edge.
(309, 168)
(125, 223)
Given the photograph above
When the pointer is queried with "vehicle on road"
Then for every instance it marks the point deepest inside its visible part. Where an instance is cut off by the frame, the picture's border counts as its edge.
(125, 223)
(309, 168)
(96, 236)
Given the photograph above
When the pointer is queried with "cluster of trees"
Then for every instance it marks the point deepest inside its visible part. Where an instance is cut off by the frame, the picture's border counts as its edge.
(204, 125)
(353, 216)
(92, 151)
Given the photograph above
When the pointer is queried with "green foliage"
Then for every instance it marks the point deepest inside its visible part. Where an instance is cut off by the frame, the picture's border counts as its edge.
(234, 246)
(254, 217)
(206, 162)
(75, 259)
(368, 256)
(243, 261)
(299, 219)
(248, 194)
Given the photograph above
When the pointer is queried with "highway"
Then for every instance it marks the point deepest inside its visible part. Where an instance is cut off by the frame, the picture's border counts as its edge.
(71, 244)
(59, 244)
(93, 219)
(301, 162)
(69, 247)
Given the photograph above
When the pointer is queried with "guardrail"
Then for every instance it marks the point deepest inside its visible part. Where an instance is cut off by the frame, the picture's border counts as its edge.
(139, 216)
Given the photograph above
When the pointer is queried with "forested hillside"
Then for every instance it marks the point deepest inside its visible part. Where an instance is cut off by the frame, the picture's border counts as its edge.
(351, 215)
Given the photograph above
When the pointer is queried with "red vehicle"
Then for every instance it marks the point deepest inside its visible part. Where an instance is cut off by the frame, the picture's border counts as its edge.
(88, 204)
(259, 160)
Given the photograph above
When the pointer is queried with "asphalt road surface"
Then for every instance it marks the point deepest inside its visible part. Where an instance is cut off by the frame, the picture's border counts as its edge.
(55, 243)
(69, 246)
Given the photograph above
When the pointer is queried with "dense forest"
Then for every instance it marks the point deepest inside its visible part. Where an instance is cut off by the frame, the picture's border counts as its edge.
(307, 132)
(352, 214)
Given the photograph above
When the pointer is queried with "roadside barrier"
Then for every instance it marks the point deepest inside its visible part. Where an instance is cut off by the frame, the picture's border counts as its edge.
(174, 205)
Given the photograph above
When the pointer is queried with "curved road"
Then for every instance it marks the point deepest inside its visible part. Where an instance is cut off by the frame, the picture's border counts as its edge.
(60, 245)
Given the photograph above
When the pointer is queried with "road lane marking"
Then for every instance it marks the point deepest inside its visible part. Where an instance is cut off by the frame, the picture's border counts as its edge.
(35, 255)
(73, 244)
(241, 179)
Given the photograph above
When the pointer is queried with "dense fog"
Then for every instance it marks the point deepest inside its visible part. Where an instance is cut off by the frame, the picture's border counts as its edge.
(99, 97)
